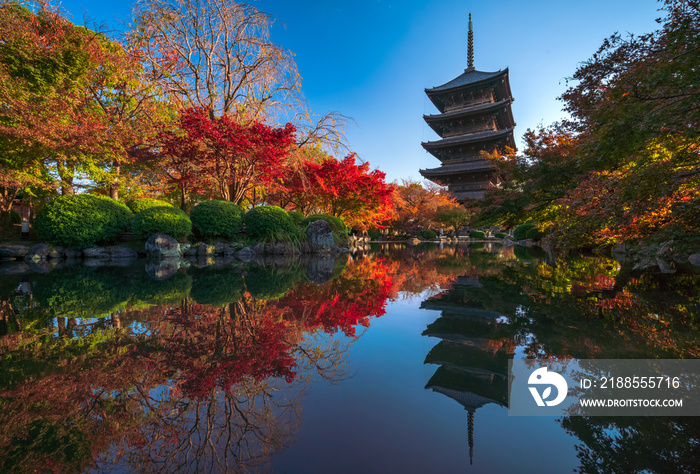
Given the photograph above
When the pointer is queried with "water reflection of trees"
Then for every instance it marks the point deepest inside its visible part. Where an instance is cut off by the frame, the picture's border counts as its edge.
(146, 377)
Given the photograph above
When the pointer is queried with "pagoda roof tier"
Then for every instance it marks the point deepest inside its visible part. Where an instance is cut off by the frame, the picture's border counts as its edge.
(461, 196)
(449, 170)
(469, 80)
(486, 136)
(501, 108)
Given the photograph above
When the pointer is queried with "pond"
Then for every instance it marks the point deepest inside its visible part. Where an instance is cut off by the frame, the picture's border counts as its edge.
(393, 360)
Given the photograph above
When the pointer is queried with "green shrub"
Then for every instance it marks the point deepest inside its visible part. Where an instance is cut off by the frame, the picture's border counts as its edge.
(15, 218)
(165, 220)
(501, 235)
(297, 217)
(270, 224)
(520, 232)
(217, 219)
(534, 234)
(338, 227)
(82, 220)
(138, 205)
(477, 234)
(428, 234)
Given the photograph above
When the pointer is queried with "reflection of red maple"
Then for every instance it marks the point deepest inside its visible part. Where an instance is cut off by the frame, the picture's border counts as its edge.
(342, 304)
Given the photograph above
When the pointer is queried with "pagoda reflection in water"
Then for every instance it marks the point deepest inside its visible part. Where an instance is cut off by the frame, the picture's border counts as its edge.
(472, 357)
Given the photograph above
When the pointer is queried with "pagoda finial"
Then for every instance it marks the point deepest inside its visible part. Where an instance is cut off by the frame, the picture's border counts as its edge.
(470, 47)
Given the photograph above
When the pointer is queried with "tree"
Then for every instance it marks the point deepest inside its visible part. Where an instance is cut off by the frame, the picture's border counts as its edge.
(345, 189)
(74, 100)
(455, 216)
(626, 167)
(223, 157)
(416, 205)
(215, 55)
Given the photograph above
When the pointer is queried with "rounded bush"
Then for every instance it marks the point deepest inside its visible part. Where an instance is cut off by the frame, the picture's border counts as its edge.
(138, 205)
(297, 217)
(501, 235)
(82, 220)
(428, 234)
(15, 218)
(477, 234)
(217, 219)
(270, 223)
(520, 232)
(164, 220)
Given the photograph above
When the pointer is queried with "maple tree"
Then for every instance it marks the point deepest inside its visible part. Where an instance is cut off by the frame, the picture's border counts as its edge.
(416, 205)
(220, 156)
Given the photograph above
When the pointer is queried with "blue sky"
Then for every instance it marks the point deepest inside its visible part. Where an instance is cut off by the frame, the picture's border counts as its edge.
(372, 59)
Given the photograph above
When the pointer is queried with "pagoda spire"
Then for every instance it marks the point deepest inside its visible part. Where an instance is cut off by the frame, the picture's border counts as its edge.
(470, 47)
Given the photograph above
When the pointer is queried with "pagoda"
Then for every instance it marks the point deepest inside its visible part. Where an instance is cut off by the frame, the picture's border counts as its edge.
(475, 116)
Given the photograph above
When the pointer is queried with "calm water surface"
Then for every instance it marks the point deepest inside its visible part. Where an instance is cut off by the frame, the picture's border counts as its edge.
(390, 361)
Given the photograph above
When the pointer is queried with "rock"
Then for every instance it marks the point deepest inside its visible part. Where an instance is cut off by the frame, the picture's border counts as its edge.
(246, 254)
(413, 241)
(40, 266)
(694, 259)
(219, 248)
(163, 269)
(95, 262)
(121, 253)
(232, 249)
(96, 252)
(14, 269)
(162, 246)
(13, 251)
(258, 248)
(320, 270)
(645, 263)
(665, 247)
(279, 249)
(189, 250)
(320, 236)
(269, 249)
(620, 249)
(204, 250)
(664, 267)
(37, 253)
(72, 254)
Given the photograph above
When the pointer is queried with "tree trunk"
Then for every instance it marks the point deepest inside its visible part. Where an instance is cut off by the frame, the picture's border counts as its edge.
(114, 188)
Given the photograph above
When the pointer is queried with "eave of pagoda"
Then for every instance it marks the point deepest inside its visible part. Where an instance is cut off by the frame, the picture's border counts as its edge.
(482, 138)
(480, 113)
(461, 168)
(471, 81)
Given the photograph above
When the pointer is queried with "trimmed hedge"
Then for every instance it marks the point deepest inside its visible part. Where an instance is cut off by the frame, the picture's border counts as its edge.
(166, 220)
(138, 205)
(270, 224)
(82, 220)
(477, 234)
(520, 232)
(217, 219)
(428, 234)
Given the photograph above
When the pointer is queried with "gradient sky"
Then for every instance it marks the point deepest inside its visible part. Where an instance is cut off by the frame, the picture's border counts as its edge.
(372, 59)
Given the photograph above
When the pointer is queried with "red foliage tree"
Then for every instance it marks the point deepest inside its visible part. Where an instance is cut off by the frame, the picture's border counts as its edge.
(222, 156)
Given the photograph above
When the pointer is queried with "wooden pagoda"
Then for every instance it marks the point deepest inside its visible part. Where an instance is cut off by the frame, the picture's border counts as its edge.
(475, 116)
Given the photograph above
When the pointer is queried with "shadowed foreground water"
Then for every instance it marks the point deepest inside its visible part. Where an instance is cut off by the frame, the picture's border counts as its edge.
(391, 361)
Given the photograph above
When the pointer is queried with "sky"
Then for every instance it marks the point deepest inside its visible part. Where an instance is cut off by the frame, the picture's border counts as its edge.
(371, 60)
